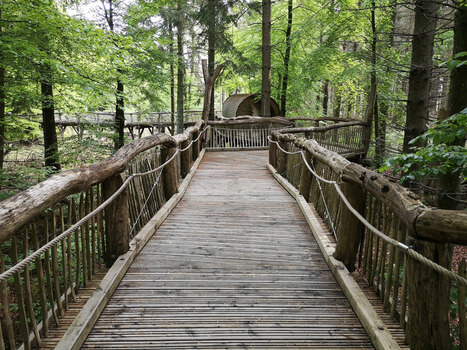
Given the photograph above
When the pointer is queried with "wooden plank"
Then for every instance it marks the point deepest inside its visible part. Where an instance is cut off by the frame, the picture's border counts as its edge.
(233, 266)
(374, 325)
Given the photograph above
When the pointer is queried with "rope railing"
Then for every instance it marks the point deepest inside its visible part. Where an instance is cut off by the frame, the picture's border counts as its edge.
(396, 243)
(28, 260)
(67, 260)
(399, 245)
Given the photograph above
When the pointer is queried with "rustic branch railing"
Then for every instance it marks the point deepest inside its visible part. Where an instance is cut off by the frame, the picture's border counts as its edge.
(56, 235)
(413, 290)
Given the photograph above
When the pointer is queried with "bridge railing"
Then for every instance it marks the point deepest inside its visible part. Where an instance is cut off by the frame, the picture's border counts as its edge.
(58, 234)
(385, 232)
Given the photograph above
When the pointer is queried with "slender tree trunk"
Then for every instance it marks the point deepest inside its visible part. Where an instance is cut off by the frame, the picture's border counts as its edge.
(172, 81)
(2, 103)
(212, 6)
(180, 71)
(325, 97)
(371, 104)
(48, 121)
(119, 119)
(457, 102)
(288, 42)
(420, 72)
(119, 116)
(266, 72)
(337, 103)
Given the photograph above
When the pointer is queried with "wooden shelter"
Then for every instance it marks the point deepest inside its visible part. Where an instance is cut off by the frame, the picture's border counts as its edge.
(246, 104)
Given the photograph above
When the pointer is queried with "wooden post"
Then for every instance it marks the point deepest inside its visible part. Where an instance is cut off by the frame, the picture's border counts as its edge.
(281, 158)
(117, 229)
(195, 146)
(429, 293)
(169, 173)
(185, 158)
(305, 178)
(272, 152)
(350, 231)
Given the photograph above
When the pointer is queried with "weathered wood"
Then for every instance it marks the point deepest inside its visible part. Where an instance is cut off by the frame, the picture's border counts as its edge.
(273, 152)
(281, 158)
(228, 267)
(247, 120)
(305, 178)
(185, 158)
(116, 219)
(169, 173)
(381, 336)
(449, 226)
(351, 229)
(83, 323)
(462, 307)
(428, 320)
(315, 129)
(23, 319)
(8, 321)
(18, 210)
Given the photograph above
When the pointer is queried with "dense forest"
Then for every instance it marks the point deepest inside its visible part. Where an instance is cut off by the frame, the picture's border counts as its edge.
(398, 65)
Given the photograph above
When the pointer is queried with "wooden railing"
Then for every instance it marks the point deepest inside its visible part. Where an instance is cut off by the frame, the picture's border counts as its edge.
(71, 226)
(412, 291)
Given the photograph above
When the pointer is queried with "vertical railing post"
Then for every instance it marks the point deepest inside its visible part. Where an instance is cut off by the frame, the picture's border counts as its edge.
(429, 294)
(196, 145)
(185, 158)
(272, 152)
(282, 157)
(351, 229)
(305, 178)
(116, 219)
(169, 173)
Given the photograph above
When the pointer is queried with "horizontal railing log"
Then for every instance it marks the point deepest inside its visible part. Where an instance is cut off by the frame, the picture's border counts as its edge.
(411, 290)
(60, 233)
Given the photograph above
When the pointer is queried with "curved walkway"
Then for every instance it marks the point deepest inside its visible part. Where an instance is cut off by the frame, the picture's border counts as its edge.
(233, 266)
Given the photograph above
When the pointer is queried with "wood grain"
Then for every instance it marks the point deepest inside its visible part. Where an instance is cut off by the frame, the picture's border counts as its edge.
(233, 266)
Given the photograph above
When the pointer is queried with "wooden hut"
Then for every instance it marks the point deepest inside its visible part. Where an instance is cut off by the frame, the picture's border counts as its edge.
(246, 104)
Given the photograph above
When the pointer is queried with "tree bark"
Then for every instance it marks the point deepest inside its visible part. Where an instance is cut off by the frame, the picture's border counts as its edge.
(209, 81)
(457, 102)
(48, 121)
(266, 54)
(212, 5)
(119, 116)
(288, 43)
(172, 81)
(325, 97)
(420, 72)
(2, 103)
(180, 71)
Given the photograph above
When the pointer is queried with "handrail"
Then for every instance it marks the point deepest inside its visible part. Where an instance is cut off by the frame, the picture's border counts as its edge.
(372, 215)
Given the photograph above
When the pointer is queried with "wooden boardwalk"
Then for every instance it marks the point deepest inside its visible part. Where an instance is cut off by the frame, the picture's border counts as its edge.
(233, 266)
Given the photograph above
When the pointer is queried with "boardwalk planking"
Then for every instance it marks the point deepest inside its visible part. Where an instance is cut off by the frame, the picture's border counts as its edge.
(233, 266)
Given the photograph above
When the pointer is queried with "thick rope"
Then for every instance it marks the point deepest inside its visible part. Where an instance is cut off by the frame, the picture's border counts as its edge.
(410, 252)
(29, 259)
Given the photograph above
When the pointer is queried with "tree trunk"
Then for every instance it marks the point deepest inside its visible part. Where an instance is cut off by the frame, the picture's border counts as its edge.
(119, 140)
(325, 98)
(180, 71)
(212, 5)
(2, 116)
(420, 72)
(209, 81)
(172, 81)
(48, 121)
(266, 54)
(288, 42)
(2, 104)
(456, 103)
